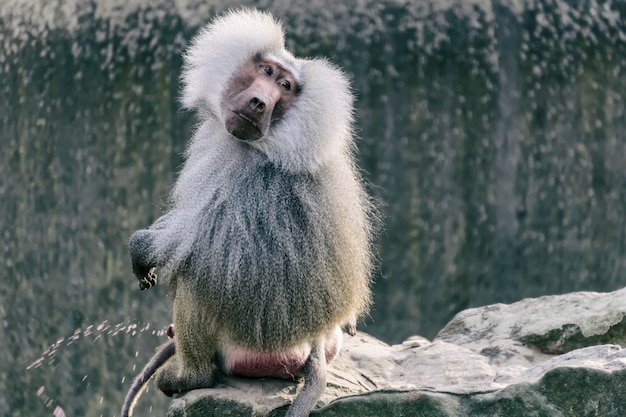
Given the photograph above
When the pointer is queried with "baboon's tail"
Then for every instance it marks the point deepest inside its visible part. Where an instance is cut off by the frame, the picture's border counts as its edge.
(314, 382)
(141, 381)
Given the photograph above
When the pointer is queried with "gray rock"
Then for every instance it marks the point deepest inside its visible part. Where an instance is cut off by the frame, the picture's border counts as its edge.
(550, 356)
(533, 329)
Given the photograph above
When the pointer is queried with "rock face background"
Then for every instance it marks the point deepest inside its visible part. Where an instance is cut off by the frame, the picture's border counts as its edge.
(492, 131)
(552, 356)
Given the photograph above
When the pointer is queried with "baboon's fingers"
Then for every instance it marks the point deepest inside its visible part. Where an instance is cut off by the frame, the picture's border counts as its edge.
(350, 327)
(149, 280)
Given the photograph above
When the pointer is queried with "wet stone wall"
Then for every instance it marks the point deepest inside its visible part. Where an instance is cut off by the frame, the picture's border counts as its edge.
(493, 133)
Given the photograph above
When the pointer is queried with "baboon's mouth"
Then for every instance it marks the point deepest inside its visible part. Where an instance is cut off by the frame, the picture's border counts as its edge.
(243, 127)
(249, 120)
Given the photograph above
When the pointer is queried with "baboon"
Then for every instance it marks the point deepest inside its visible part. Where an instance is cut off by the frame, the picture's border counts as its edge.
(267, 245)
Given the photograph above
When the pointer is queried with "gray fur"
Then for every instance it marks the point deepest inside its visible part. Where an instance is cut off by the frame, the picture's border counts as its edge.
(267, 245)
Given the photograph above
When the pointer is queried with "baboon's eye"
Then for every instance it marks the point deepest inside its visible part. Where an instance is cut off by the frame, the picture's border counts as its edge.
(268, 69)
(285, 84)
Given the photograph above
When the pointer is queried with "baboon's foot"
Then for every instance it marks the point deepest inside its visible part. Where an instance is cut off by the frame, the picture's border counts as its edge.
(173, 379)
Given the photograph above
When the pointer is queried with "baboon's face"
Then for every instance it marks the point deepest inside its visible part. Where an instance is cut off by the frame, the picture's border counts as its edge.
(259, 94)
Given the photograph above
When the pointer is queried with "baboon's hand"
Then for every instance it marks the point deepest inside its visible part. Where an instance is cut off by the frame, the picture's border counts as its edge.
(148, 281)
(350, 326)
(140, 246)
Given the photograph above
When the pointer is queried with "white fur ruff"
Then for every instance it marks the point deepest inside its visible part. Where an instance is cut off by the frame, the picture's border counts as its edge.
(317, 128)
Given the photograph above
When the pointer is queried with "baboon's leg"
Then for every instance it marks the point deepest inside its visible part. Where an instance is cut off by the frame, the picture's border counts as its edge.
(196, 345)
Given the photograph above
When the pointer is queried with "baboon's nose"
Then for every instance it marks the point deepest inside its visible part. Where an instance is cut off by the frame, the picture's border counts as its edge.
(257, 104)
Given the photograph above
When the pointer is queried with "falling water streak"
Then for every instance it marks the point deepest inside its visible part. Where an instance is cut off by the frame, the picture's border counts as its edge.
(101, 329)
(58, 412)
(94, 332)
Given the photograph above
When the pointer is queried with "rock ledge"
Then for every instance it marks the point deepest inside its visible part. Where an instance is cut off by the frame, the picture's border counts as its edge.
(550, 356)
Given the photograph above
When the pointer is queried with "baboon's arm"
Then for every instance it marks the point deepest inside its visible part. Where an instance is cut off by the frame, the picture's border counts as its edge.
(152, 247)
